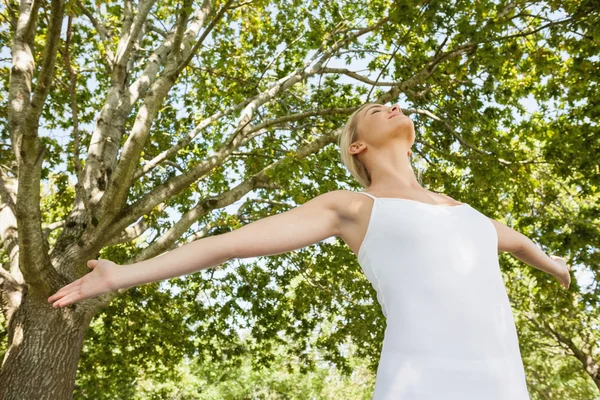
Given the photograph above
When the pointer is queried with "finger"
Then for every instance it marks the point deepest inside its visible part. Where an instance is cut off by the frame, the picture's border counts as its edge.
(67, 300)
(65, 294)
(92, 263)
(65, 290)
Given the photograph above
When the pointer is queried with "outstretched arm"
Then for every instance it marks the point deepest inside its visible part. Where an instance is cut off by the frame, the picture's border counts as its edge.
(527, 251)
(315, 220)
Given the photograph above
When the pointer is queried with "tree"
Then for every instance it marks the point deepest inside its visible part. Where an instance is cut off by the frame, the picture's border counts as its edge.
(193, 105)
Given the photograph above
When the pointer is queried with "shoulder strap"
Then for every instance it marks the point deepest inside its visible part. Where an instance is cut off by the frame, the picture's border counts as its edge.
(368, 194)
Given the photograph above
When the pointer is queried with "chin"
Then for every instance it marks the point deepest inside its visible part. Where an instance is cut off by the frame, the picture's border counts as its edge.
(407, 126)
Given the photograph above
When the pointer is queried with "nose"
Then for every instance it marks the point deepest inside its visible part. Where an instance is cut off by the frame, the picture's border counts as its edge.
(395, 108)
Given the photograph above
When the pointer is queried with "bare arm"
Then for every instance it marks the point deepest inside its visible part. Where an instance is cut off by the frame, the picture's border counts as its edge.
(313, 221)
(525, 249)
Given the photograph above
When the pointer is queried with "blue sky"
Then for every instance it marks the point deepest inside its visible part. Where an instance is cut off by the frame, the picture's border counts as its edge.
(583, 276)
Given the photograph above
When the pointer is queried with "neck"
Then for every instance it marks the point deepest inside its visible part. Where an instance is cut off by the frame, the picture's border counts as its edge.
(397, 174)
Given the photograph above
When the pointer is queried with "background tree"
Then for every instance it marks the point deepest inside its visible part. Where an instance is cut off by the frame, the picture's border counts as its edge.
(174, 111)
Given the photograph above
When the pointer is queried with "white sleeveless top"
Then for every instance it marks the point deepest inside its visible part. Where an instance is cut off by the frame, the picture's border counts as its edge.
(450, 332)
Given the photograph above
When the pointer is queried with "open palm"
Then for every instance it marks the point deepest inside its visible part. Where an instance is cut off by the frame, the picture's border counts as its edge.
(101, 280)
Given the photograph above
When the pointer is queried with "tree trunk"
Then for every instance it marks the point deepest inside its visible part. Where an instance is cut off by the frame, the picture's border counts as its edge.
(43, 350)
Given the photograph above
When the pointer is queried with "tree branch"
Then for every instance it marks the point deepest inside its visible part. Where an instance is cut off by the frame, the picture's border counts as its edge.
(119, 184)
(355, 76)
(102, 31)
(33, 259)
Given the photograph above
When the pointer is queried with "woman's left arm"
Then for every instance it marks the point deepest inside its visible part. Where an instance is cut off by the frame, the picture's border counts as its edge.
(527, 251)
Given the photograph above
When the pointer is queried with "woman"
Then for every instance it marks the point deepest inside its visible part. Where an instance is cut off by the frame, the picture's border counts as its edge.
(432, 260)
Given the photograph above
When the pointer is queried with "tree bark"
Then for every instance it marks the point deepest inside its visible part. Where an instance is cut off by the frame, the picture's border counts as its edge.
(44, 345)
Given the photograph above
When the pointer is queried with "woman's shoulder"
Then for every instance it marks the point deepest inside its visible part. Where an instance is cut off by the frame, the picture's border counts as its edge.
(446, 197)
(345, 202)
(339, 199)
(343, 194)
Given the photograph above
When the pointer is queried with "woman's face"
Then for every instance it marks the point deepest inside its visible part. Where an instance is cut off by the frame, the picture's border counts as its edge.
(379, 124)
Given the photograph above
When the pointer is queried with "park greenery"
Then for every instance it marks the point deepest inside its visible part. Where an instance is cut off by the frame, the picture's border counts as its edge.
(129, 128)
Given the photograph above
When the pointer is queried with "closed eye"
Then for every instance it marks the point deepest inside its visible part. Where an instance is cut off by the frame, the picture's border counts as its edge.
(375, 111)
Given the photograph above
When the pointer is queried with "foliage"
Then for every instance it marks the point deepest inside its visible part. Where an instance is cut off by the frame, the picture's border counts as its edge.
(535, 171)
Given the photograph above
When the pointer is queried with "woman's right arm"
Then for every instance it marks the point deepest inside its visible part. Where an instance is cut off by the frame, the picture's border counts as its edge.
(313, 221)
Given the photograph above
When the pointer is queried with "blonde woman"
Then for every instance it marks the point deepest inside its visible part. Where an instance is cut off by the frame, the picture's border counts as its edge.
(432, 260)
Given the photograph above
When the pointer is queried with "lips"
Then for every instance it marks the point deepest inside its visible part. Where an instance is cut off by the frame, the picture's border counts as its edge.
(393, 115)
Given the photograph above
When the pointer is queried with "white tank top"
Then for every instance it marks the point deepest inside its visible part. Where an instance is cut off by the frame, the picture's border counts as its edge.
(450, 332)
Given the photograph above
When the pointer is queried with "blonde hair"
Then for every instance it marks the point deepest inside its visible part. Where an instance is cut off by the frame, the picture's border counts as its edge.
(350, 135)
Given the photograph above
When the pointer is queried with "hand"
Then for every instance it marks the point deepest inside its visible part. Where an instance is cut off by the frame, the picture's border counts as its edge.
(564, 276)
(101, 280)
